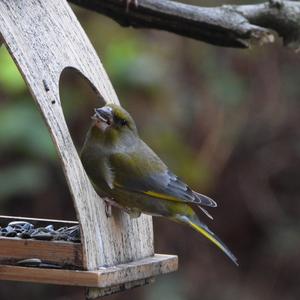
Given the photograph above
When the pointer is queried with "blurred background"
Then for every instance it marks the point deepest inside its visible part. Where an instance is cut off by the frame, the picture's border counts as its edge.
(225, 120)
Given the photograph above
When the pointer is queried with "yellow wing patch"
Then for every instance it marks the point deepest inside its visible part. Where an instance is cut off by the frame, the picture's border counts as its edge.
(161, 196)
(151, 193)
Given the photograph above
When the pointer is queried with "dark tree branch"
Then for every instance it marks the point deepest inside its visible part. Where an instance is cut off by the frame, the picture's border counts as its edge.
(231, 26)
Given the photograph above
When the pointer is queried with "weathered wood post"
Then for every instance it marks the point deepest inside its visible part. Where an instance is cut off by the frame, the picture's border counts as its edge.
(45, 38)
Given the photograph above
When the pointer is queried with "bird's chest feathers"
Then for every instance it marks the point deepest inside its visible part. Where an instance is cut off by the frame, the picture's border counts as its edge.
(108, 174)
(96, 163)
(103, 169)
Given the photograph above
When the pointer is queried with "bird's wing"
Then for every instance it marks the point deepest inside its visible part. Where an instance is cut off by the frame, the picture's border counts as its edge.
(144, 172)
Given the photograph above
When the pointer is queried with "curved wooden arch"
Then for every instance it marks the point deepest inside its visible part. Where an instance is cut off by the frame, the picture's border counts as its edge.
(44, 38)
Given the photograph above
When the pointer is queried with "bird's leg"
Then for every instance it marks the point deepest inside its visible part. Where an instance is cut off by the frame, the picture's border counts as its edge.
(109, 202)
(133, 213)
(128, 2)
(108, 205)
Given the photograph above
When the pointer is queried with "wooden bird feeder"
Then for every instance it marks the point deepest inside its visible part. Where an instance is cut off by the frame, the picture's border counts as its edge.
(116, 253)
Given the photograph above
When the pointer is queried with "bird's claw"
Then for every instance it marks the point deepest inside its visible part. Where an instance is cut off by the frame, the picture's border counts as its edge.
(133, 213)
(108, 210)
(108, 205)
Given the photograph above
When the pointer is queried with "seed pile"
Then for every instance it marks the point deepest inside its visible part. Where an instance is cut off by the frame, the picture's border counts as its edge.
(26, 230)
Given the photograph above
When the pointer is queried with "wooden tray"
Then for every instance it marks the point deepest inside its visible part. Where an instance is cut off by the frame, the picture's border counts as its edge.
(105, 277)
(58, 252)
(69, 254)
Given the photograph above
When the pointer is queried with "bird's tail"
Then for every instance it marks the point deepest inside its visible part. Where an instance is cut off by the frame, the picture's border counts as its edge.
(196, 224)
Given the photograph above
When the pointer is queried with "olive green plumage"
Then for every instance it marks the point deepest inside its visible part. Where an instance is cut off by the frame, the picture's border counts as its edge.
(122, 167)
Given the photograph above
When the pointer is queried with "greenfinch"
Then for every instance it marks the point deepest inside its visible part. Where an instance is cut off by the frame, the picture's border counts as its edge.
(125, 170)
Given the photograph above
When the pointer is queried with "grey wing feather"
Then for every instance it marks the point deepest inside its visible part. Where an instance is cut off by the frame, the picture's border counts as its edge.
(169, 184)
(206, 212)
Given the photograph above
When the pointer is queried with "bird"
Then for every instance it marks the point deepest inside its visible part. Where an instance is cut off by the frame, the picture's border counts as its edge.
(127, 173)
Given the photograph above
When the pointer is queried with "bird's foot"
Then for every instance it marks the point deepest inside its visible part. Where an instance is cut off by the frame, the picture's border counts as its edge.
(128, 2)
(108, 204)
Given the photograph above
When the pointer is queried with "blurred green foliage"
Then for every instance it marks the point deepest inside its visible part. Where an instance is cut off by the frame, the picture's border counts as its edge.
(23, 178)
(22, 129)
(11, 80)
(22, 135)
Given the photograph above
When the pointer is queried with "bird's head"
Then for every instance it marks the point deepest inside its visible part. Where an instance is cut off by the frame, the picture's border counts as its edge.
(112, 121)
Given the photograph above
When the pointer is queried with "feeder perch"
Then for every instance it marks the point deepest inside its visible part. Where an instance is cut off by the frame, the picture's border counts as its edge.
(45, 38)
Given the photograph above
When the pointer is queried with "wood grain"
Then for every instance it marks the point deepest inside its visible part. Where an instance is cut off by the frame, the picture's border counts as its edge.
(103, 278)
(45, 38)
(58, 252)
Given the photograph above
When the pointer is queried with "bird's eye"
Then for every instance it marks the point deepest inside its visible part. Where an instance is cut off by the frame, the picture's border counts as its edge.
(123, 122)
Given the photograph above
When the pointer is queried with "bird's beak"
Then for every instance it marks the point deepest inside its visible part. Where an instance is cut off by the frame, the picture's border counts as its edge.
(103, 114)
